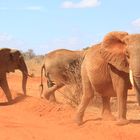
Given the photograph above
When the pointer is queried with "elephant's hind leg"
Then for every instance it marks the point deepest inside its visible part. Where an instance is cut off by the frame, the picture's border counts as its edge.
(50, 92)
(106, 112)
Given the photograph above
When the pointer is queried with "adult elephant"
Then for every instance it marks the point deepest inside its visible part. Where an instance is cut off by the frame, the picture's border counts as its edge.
(10, 60)
(105, 69)
(56, 66)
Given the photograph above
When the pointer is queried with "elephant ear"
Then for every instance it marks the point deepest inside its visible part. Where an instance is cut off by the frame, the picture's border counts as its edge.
(113, 50)
(4, 53)
(15, 55)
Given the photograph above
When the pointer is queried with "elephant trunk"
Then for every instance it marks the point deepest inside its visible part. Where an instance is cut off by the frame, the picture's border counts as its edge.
(24, 71)
(136, 81)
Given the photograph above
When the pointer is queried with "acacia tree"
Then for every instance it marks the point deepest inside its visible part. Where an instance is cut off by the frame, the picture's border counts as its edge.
(29, 54)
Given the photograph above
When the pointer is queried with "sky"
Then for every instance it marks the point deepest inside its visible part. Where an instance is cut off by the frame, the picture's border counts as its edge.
(46, 25)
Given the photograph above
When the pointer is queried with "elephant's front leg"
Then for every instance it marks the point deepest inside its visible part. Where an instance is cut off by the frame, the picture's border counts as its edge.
(5, 87)
(122, 105)
(106, 112)
(121, 87)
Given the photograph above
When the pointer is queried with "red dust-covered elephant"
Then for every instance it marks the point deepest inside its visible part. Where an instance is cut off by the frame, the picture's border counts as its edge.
(105, 69)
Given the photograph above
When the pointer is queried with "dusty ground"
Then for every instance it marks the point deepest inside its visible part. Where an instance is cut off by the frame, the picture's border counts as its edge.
(31, 118)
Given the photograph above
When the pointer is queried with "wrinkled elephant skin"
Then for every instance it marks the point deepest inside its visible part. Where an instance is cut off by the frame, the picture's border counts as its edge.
(105, 69)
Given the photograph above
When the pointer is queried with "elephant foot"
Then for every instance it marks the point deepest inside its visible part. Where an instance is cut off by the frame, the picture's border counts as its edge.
(108, 117)
(47, 96)
(78, 119)
(122, 122)
(50, 92)
(10, 100)
(52, 98)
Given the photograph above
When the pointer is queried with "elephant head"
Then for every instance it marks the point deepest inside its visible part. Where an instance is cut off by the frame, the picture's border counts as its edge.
(122, 50)
(19, 63)
(10, 61)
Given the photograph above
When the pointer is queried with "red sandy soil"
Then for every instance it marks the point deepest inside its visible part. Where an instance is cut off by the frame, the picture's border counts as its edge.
(32, 118)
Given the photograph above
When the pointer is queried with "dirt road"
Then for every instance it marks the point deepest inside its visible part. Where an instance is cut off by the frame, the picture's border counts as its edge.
(31, 118)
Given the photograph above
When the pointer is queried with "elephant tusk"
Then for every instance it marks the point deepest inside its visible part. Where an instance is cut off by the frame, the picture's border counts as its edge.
(29, 75)
(131, 77)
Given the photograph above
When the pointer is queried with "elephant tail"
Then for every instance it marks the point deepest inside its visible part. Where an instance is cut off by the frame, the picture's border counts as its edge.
(50, 83)
(41, 85)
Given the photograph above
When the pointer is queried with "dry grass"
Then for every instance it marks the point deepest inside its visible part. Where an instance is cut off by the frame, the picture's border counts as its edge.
(34, 65)
(74, 89)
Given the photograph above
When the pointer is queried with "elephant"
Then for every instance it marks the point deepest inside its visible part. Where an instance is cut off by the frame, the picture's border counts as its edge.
(10, 60)
(105, 70)
(55, 66)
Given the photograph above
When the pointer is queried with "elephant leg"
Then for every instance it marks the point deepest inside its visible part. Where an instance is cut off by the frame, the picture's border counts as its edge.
(88, 94)
(106, 112)
(120, 87)
(50, 92)
(5, 87)
(52, 97)
(122, 106)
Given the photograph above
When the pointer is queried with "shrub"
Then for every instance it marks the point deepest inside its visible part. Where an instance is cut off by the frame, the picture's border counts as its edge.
(29, 54)
(73, 96)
